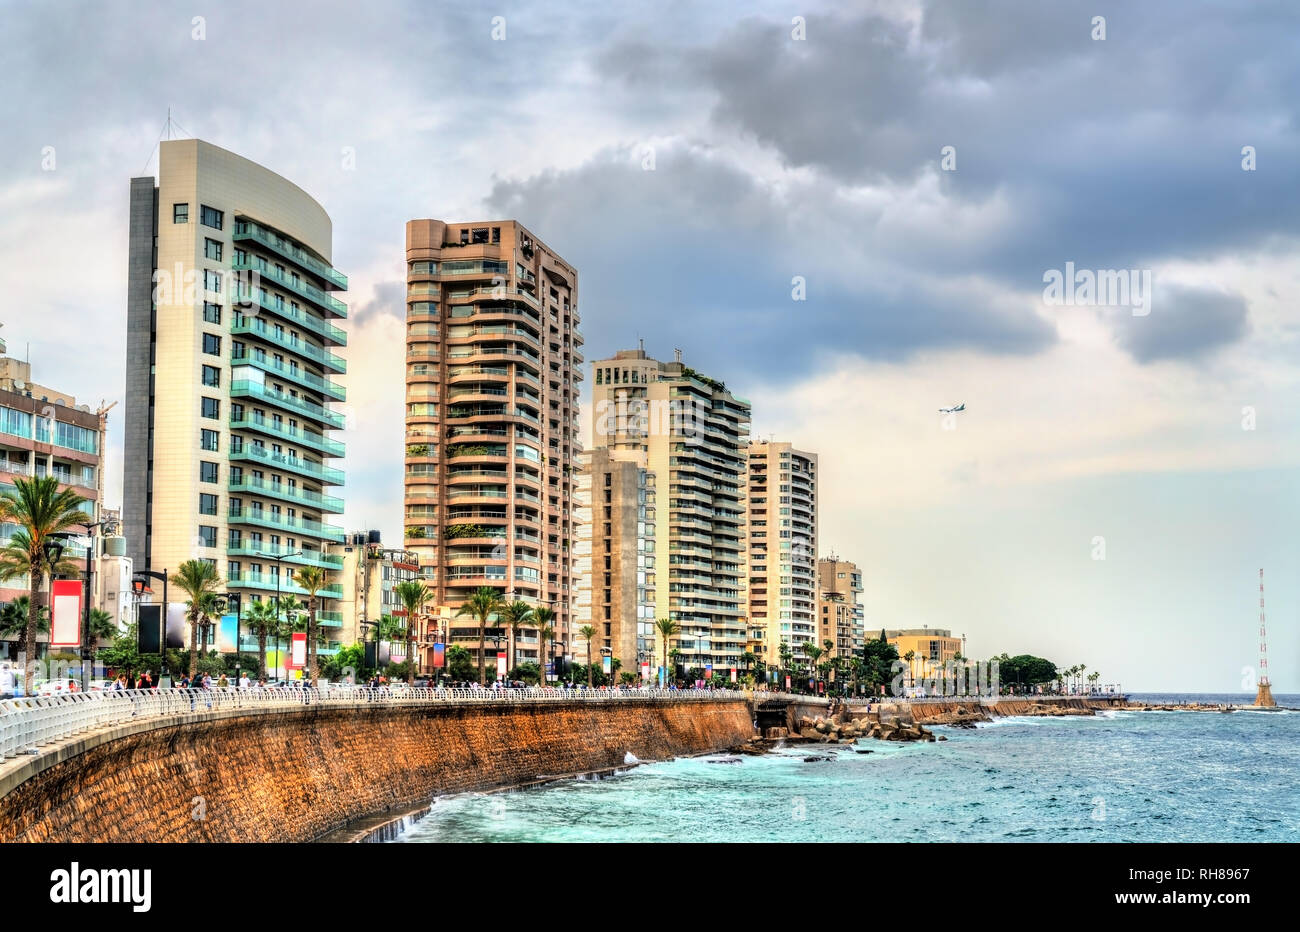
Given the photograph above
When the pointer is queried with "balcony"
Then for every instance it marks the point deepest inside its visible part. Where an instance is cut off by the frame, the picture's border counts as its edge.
(286, 586)
(283, 492)
(298, 376)
(326, 302)
(326, 331)
(501, 294)
(258, 327)
(242, 388)
(255, 454)
(306, 558)
(250, 230)
(318, 442)
(259, 517)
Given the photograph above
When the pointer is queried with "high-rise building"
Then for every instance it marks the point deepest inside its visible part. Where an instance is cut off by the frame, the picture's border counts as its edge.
(616, 565)
(230, 375)
(782, 532)
(842, 618)
(693, 435)
(492, 372)
(368, 579)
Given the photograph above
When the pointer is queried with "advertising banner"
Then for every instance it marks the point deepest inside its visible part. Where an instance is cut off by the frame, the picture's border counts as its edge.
(298, 653)
(439, 656)
(607, 664)
(65, 614)
(226, 634)
(645, 671)
(177, 626)
(733, 674)
(501, 665)
(149, 629)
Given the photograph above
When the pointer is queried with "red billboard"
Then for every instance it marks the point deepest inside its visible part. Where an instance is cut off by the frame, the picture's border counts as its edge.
(65, 613)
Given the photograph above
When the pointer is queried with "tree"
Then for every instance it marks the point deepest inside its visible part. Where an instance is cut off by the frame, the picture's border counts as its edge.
(41, 513)
(544, 619)
(588, 633)
(515, 615)
(878, 659)
(911, 670)
(350, 659)
(288, 608)
(460, 665)
(102, 626)
(311, 578)
(785, 654)
(813, 653)
(527, 671)
(485, 602)
(13, 618)
(747, 660)
(667, 629)
(261, 618)
(197, 579)
(414, 595)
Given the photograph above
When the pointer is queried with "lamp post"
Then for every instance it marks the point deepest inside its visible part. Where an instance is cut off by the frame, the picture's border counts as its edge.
(85, 608)
(53, 549)
(164, 678)
(279, 560)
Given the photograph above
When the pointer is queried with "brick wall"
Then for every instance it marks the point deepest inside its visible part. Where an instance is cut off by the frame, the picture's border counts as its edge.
(295, 775)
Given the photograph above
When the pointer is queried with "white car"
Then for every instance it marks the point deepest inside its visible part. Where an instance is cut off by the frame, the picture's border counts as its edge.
(52, 688)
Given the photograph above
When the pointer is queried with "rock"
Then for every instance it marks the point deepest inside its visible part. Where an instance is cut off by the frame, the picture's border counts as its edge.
(822, 726)
(863, 751)
(814, 759)
(810, 734)
(942, 738)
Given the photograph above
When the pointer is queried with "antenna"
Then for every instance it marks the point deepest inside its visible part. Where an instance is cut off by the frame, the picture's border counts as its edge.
(677, 355)
(1264, 690)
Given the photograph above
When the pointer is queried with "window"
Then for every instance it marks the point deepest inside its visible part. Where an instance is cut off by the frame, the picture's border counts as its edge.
(212, 250)
(207, 472)
(212, 344)
(211, 280)
(210, 217)
(207, 535)
(212, 376)
(209, 439)
(211, 312)
(207, 505)
(211, 408)
(180, 213)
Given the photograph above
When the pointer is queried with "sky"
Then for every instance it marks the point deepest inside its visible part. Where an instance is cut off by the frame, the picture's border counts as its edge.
(846, 211)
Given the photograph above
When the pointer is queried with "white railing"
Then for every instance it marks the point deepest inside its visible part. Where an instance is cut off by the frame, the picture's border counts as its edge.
(28, 723)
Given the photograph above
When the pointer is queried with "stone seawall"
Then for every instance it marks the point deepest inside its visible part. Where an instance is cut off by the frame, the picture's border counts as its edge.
(294, 775)
(938, 712)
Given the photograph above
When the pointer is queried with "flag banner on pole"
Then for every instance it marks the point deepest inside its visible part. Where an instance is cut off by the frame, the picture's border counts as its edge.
(177, 626)
(65, 617)
(607, 664)
(226, 634)
(733, 674)
(439, 655)
(149, 629)
(501, 665)
(298, 657)
(645, 671)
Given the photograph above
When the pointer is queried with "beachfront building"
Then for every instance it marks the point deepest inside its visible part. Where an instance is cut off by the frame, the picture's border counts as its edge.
(842, 619)
(44, 432)
(230, 368)
(931, 648)
(782, 538)
(691, 434)
(492, 373)
(617, 566)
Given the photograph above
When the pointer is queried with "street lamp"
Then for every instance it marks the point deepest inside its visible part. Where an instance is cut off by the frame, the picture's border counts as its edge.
(90, 527)
(138, 584)
(278, 560)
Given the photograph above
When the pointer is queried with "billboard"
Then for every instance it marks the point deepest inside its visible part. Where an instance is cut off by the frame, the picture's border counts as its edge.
(177, 626)
(298, 651)
(226, 631)
(149, 629)
(65, 614)
(501, 665)
(439, 655)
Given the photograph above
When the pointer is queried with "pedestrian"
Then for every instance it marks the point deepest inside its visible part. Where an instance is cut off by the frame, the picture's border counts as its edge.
(8, 682)
(72, 686)
(223, 682)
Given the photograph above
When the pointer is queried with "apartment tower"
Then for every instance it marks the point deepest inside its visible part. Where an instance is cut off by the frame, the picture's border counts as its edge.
(492, 372)
(842, 617)
(230, 375)
(690, 433)
(782, 532)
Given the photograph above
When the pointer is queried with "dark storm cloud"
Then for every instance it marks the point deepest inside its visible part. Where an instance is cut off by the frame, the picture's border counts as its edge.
(1184, 323)
(389, 299)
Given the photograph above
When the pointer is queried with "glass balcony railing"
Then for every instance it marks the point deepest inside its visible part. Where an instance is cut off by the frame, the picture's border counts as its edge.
(256, 326)
(283, 492)
(241, 388)
(250, 230)
(265, 551)
(247, 452)
(304, 438)
(316, 325)
(299, 376)
(260, 517)
(286, 585)
(321, 299)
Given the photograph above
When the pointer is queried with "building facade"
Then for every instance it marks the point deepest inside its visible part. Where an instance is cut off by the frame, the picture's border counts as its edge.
(617, 571)
(492, 373)
(930, 648)
(843, 620)
(368, 579)
(231, 341)
(691, 434)
(782, 537)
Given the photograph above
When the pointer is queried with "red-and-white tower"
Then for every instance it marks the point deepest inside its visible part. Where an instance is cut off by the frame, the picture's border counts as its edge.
(1264, 692)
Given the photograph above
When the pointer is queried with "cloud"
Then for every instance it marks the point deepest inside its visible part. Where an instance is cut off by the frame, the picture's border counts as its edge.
(1184, 323)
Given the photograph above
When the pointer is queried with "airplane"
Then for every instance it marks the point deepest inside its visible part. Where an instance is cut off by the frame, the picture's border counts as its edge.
(954, 409)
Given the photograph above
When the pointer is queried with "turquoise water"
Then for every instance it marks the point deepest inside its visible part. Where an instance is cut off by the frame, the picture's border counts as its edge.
(1120, 776)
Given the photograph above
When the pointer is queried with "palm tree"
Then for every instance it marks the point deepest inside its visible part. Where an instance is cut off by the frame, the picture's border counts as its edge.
(588, 633)
(786, 655)
(1079, 678)
(812, 652)
(481, 606)
(287, 608)
(210, 605)
(667, 629)
(543, 618)
(516, 614)
(262, 620)
(13, 618)
(40, 512)
(311, 578)
(102, 626)
(911, 672)
(196, 578)
(414, 595)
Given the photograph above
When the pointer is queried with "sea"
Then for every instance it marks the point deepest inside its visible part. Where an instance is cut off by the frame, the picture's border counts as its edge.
(1121, 776)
